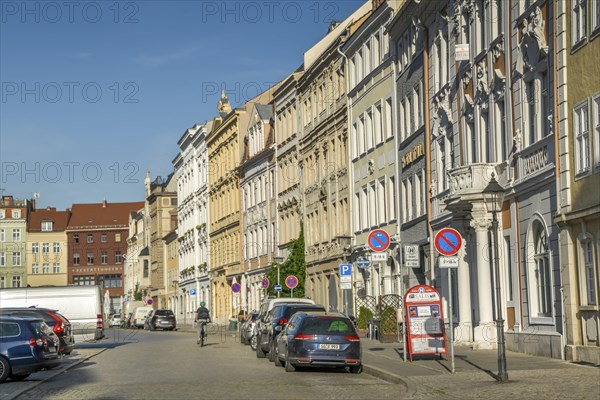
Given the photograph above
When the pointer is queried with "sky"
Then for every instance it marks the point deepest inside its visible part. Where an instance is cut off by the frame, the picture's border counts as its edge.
(94, 93)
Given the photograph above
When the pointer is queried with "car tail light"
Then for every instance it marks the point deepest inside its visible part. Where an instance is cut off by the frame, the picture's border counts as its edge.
(304, 336)
(99, 321)
(352, 338)
(37, 342)
(352, 361)
(282, 321)
(58, 327)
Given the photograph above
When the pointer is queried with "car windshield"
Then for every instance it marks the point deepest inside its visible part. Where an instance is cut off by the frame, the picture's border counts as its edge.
(327, 325)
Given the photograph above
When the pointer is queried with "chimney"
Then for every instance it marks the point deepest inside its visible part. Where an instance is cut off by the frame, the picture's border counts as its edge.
(104, 203)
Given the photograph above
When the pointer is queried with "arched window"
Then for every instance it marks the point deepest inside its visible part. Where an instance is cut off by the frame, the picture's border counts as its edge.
(539, 272)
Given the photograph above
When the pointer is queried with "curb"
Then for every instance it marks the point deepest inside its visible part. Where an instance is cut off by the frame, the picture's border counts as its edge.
(56, 373)
(389, 377)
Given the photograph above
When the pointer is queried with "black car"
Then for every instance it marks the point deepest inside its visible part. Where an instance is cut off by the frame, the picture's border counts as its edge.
(319, 339)
(59, 324)
(247, 329)
(160, 319)
(274, 323)
(27, 345)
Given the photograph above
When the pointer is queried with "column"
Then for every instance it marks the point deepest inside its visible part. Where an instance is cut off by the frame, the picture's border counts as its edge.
(464, 331)
(485, 331)
(387, 277)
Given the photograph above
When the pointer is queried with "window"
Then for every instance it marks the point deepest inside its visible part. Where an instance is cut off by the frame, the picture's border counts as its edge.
(46, 226)
(45, 248)
(381, 198)
(35, 269)
(392, 198)
(595, 15)
(578, 21)
(35, 247)
(2, 259)
(596, 124)
(590, 275)
(418, 190)
(90, 238)
(146, 269)
(582, 138)
(46, 268)
(16, 259)
(388, 118)
(355, 151)
(103, 238)
(90, 258)
(16, 281)
(369, 130)
(539, 272)
(84, 280)
(56, 248)
(377, 125)
(117, 237)
(2, 214)
(376, 50)
(372, 205)
(75, 238)
(104, 257)
(76, 258)
(405, 198)
(16, 214)
(16, 233)
(111, 281)
(56, 268)
(356, 215)
(2, 237)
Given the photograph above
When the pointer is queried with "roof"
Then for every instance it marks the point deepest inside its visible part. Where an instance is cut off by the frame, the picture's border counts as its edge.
(60, 219)
(170, 237)
(144, 253)
(102, 214)
(264, 110)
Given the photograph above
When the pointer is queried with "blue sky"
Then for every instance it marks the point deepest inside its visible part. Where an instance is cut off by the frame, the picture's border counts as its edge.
(93, 94)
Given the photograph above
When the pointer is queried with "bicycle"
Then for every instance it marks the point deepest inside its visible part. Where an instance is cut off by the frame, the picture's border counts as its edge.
(202, 335)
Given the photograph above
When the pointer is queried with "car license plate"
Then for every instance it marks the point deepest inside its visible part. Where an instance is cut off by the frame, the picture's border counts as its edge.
(327, 346)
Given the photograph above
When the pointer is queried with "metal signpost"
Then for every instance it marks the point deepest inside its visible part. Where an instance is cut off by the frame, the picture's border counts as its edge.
(345, 282)
(448, 242)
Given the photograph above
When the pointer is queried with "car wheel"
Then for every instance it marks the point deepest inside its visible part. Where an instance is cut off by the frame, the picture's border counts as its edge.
(19, 377)
(272, 352)
(288, 366)
(277, 360)
(356, 369)
(253, 342)
(4, 369)
(259, 352)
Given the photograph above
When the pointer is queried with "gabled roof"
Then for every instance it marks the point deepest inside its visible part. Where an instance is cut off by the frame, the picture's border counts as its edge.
(59, 219)
(102, 214)
(265, 111)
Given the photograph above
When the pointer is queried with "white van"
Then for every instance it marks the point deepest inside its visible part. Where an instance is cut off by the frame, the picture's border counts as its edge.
(139, 316)
(82, 305)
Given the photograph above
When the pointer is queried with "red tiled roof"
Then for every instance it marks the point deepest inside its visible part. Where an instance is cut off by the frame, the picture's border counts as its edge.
(102, 214)
(60, 219)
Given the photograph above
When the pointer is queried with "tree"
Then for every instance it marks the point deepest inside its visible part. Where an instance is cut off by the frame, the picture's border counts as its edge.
(137, 295)
(295, 265)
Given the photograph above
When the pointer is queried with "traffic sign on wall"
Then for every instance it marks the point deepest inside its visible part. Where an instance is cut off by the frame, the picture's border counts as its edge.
(378, 240)
(448, 241)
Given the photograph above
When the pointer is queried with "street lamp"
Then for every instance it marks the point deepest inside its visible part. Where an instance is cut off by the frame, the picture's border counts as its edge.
(494, 195)
(278, 261)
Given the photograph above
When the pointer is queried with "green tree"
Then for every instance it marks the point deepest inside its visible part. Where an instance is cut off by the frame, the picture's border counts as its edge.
(137, 295)
(295, 265)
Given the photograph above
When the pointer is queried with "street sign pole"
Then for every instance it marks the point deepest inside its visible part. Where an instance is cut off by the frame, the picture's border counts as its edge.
(451, 325)
(402, 292)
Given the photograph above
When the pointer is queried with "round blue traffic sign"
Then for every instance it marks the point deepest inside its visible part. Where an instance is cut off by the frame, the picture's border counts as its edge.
(448, 241)
(277, 288)
(236, 287)
(378, 240)
(291, 281)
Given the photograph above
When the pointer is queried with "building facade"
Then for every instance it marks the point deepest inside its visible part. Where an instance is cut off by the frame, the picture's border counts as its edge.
(372, 148)
(578, 215)
(171, 261)
(258, 208)
(137, 259)
(191, 173)
(13, 240)
(97, 239)
(47, 247)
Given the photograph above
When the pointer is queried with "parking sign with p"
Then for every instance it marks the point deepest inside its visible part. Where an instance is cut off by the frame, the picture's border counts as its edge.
(345, 269)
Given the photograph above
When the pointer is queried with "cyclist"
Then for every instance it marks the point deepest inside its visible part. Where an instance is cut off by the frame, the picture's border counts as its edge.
(202, 317)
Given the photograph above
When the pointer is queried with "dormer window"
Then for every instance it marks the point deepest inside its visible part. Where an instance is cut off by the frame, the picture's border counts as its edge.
(16, 214)
(46, 226)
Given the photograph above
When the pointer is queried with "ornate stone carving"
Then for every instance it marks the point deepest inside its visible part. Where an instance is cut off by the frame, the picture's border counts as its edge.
(371, 167)
(455, 17)
(498, 50)
(468, 8)
(468, 109)
(482, 86)
(467, 75)
(533, 48)
(442, 116)
(480, 223)
(498, 84)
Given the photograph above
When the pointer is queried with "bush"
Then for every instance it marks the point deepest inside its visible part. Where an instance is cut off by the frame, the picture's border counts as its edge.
(364, 314)
(388, 320)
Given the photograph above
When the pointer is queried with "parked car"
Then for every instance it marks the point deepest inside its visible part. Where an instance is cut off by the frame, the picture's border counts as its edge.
(139, 316)
(274, 323)
(246, 328)
(115, 320)
(319, 339)
(27, 345)
(267, 306)
(57, 322)
(160, 319)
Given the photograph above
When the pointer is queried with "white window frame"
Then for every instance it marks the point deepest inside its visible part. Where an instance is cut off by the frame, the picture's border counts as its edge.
(595, 17)
(2, 235)
(45, 248)
(35, 248)
(578, 21)
(16, 234)
(56, 268)
(16, 214)
(389, 126)
(46, 226)
(596, 126)
(16, 259)
(378, 123)
(2, 259)
(534, 260)
(35, 269)
(587, 272)
(581, 132)
(45, 268)
(393, 214)
(16, 281)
